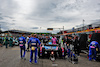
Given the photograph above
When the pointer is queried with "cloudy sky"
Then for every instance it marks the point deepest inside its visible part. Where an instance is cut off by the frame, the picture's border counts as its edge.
(27, 14)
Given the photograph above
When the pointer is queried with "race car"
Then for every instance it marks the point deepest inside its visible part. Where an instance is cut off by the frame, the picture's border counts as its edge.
(47, 49)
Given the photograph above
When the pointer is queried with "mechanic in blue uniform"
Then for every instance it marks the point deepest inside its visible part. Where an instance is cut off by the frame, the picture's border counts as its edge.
(92, 50)
(22, 42)
(35, 43)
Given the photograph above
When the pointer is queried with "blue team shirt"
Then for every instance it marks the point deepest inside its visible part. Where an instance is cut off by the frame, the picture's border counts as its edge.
(22, 40)
(94, 44)
(33, 41)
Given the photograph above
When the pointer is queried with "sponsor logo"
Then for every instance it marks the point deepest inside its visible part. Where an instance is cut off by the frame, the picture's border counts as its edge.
(33, 43)
(33, 40)
(21, 41)
(21, 44)
(21, 38)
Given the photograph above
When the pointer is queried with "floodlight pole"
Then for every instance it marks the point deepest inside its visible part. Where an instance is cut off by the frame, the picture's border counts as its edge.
(40, 29)
(83, 24)
(63, 30)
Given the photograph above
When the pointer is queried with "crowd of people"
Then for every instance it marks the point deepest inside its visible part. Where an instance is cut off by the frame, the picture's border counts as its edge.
(33, 42)
(8, 41)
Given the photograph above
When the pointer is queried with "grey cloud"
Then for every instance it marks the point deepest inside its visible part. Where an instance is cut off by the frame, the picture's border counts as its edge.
(13, 20)
(96, 20)
(1, 22)
(98, 3)
(9, 17)
(45, 8)
(98, 10)
(0, 13)
(55, 19)
(8, 7)
(47, 13)
(62, 19)
(12, 23)
(1, 18)
(35, 28)
(4, 17)
(6, 25)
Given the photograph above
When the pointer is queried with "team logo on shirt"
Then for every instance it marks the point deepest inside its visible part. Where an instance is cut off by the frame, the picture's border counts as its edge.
(21, 41)
(33, 43)
(93, 45)
(33, 40)
(21, 38)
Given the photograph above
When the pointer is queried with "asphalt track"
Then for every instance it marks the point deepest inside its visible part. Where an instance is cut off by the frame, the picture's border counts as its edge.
(10, 57)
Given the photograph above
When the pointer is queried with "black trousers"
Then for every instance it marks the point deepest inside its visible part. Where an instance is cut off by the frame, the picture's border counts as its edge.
(22, 48)
(77, 50)
(28, 47)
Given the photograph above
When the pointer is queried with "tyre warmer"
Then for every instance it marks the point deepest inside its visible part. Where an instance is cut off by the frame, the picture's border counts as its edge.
(40, 51)
(62, 51)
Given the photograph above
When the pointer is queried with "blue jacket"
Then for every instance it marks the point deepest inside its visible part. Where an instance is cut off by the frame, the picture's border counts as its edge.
(33, 41)
(94, 44)
(22, 40)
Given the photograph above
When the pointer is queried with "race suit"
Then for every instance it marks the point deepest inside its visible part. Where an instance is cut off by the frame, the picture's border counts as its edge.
(54, 41)
(34, 44)
(92, 50)
(22, 42)
(11, 42)
(6, 41)
(1, 41)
